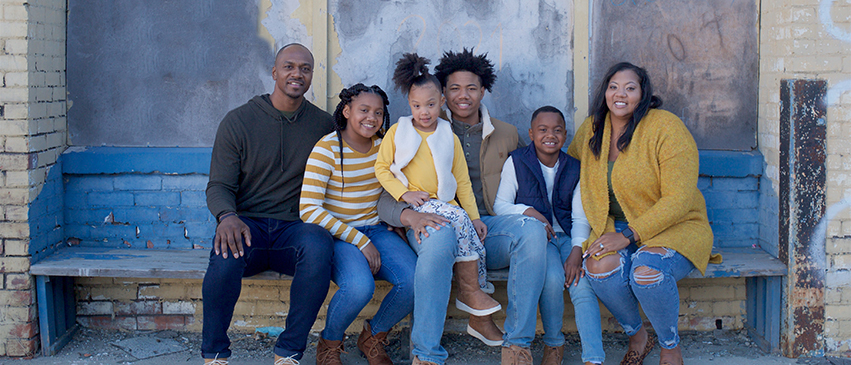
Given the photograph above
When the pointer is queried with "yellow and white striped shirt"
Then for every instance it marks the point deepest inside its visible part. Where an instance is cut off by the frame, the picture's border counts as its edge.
(340, 199)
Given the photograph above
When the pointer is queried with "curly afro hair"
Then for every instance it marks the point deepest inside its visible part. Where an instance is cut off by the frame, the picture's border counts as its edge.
(466, 61)
(412, 70)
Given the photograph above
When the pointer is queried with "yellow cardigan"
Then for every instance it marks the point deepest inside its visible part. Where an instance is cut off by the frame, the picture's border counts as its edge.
(655, 182)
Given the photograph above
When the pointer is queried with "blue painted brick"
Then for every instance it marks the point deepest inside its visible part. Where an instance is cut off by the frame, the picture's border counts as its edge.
(185, 214)
(88, 183)
(200, 229)
(195, 182)
(735, 184)
(735, 243)
(86, 216)
(114, 231)
(161, 230)
(75, 199)
(110, 199)
(733, 216)
(731, 200)
(137, 215)
(704, 183)
(193, 199)
(160, 198)
(138, 182)
(744, 231)
(80, 231)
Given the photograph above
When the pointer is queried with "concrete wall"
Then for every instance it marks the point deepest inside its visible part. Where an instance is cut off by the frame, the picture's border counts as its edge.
(32, 131)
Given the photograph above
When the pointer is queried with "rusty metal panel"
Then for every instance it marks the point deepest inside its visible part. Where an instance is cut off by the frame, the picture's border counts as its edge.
(803, 179)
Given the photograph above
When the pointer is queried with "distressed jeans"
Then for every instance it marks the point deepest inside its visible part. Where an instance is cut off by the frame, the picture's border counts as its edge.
(357, 285)
(515, 240)
(621, 294)
(295, 248)
(585, 306)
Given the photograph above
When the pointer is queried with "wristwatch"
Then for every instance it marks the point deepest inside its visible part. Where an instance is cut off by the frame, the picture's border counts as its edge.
(629, 234)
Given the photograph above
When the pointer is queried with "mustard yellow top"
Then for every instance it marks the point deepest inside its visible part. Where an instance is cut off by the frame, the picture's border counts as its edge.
(421, 172)
(655, 182)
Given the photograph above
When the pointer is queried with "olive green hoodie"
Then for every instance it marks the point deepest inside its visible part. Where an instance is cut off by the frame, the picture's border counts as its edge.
(259, 156)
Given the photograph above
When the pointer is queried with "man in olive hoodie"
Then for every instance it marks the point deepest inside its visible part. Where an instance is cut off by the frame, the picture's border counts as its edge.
(256, 174)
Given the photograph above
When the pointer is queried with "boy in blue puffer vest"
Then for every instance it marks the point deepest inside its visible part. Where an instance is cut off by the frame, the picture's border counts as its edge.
(542, 182)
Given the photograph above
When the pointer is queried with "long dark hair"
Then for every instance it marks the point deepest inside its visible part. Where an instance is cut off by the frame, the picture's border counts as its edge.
(599, 109)
(346, 96)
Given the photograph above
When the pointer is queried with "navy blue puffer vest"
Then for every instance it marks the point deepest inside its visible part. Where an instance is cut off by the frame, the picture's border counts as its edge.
(532, 189)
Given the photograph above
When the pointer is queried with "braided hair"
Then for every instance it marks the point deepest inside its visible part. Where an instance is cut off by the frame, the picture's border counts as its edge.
(412, 70)
(346, 96)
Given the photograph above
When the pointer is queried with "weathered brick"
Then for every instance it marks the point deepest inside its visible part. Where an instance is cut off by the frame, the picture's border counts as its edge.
(114, 292)
(14, 264)
(138, 182)
(19, 281)
(108, 322)
(161, 322)
(145, 307)
(19, 330)
(21, 347)
(166, 292)
(838, 312)
(14, 230)
(179, 307)
(95, 308)
(18, 314)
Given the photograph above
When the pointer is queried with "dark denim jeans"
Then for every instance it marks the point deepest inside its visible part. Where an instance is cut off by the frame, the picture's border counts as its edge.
(294, 248)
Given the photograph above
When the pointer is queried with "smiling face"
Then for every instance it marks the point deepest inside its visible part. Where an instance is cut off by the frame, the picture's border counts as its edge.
(623, 94)
(464, 93)
(364, 115)
(293, 71)
(547, 132)
(425, 101)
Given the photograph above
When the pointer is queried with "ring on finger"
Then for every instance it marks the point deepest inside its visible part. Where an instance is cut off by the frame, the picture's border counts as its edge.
(601, 246)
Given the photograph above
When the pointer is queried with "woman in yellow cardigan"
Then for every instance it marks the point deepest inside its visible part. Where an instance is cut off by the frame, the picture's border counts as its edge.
(648, 219)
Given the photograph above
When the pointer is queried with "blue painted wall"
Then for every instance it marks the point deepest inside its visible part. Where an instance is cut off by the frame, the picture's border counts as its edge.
(126, 197)
(46, 215)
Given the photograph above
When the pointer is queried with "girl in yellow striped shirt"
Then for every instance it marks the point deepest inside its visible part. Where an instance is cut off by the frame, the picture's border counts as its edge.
(340, 192)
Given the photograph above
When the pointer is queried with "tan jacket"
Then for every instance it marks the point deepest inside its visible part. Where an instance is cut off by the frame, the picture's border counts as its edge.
(498, 139)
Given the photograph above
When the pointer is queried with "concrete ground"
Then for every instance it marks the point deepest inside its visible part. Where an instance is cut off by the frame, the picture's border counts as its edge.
(89, 347)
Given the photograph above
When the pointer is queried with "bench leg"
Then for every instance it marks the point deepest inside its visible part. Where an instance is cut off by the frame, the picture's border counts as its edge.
(57, 317)
(764, 311)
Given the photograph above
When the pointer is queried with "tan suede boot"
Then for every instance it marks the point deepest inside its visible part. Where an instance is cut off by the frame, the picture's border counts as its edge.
(516, 355)
(373, 346)
(327, 352)
(553, 355)
(471, 298)
(417, 361)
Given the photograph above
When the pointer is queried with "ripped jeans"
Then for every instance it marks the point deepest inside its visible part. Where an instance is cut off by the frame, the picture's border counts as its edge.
(660, 300)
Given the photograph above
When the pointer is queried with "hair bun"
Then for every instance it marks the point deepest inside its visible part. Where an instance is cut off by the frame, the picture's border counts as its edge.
(408, 69)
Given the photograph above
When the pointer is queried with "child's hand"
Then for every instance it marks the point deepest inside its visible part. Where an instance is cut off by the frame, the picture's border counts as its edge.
(532, 212)
(372, 257)
(481, 229)
(415, 198)
(573, 267)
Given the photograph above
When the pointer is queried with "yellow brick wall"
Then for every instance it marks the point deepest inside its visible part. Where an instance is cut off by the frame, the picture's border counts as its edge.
(120, 303)
(811, 39)
(32, 135)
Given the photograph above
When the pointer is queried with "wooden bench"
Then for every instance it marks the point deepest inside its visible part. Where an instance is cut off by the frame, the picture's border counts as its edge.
(57, 307)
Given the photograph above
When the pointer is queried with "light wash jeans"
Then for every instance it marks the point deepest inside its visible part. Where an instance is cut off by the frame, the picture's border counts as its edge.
(515, 240)
(585, 305)
(351, 273)
(620, 293)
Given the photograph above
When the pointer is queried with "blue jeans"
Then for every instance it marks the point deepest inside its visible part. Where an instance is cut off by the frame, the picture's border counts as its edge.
(290, 247)
(660, 300)
(432, 284)
(515, 240)
(585, 305)
(519, 243)
(357, 285)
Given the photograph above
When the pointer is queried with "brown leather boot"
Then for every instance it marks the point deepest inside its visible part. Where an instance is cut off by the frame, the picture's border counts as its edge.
(471, 298)
(516, 355)
(553, 355)
(373, 346)
(328, 352)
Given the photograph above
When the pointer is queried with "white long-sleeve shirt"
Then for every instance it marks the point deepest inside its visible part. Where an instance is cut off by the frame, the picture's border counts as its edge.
(507, 192)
